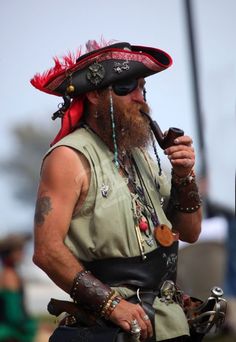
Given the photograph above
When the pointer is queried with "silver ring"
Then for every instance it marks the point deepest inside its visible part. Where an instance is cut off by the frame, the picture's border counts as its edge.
(135, 328)
(145, 318)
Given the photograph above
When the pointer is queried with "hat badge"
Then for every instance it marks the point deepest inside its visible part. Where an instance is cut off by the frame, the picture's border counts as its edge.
(96, 73)
(120, 67)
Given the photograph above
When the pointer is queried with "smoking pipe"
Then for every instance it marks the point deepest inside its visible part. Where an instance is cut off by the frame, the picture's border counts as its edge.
(163, 140)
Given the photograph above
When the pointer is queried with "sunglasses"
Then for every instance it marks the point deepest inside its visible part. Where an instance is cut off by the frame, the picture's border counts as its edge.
(123, 88)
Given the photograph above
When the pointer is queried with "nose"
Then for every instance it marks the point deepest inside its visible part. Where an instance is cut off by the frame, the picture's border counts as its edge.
(137, 95)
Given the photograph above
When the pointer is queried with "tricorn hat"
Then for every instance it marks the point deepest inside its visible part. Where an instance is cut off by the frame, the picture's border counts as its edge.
(99, 67)
(13, 241)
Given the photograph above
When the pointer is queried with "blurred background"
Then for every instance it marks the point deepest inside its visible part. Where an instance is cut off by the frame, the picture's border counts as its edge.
(196, 94)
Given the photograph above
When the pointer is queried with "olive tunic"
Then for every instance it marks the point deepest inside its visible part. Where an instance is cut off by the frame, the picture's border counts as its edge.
(104, 227)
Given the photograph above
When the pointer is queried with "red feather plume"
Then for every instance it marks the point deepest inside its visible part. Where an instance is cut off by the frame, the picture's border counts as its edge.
(40, 81)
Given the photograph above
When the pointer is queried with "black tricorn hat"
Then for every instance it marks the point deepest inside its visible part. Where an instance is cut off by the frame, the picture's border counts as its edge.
(100, 68)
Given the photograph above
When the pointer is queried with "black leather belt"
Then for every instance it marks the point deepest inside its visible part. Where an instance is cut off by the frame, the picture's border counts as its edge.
(159, 266)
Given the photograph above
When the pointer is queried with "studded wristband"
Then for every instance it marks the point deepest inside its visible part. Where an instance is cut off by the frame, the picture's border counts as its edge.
(90, 292)
(184, 193)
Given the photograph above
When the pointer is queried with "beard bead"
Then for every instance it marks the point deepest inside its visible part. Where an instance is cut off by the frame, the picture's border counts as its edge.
(113, 129)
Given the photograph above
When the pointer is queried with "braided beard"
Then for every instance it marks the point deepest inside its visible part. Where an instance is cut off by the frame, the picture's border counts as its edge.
(131, 127)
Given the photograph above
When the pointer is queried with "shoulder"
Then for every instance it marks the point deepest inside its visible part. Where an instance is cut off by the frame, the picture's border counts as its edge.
(65, 168)
(65, 159)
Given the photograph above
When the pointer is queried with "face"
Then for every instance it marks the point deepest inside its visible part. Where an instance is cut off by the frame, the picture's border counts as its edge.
(132, 127)
(14, 257)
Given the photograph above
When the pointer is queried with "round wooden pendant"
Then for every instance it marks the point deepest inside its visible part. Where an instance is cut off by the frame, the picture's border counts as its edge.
(163, 235)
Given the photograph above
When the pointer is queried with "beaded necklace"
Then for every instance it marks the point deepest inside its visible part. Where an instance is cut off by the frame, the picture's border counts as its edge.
(143, 208)
(142, 204)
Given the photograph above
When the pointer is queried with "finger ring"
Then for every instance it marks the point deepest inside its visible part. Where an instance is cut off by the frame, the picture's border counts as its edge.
(135, 328)
(145, 318)
(136, 331)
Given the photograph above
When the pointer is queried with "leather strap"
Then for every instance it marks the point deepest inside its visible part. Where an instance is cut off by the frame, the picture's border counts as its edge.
(160, 265)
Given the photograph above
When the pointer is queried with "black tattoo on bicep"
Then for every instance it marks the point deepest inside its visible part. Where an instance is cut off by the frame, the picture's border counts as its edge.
(43, 207)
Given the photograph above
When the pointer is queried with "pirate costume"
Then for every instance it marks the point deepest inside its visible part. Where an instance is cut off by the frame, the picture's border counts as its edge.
(121, 234)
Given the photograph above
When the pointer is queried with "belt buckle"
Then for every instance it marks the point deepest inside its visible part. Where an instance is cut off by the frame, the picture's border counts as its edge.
(138, 295)
(167, 292)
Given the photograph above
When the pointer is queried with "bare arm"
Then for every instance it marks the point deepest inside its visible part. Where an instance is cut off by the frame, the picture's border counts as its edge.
(64, 183)
(63, 187)
(182, 158)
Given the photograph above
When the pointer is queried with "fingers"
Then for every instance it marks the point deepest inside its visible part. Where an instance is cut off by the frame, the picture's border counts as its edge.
(184, 158)
(131, 317)
(184, 140)
(145, 324)
(181, 155)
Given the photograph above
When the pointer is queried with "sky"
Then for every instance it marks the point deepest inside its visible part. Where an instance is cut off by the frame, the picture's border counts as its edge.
(33, 32)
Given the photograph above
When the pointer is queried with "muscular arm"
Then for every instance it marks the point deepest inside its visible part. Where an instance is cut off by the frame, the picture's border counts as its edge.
(182, 158)
(63, 186)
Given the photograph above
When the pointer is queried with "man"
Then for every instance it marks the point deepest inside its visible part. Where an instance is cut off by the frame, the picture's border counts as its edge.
(106, 226)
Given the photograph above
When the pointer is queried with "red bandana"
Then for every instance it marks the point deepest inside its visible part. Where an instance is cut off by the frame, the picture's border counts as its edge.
(70, 119)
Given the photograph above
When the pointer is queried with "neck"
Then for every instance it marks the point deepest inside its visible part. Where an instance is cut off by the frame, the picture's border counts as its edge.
(92, 122)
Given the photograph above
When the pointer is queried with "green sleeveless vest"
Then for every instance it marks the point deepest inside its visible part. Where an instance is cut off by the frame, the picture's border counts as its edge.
(105, 227)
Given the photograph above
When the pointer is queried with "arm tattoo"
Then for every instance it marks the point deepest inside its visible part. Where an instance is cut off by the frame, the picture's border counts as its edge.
(43, 207)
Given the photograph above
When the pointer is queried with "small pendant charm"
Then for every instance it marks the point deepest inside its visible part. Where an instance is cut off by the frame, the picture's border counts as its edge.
(104, 190)
(163, 235)
(140, 242)
(150, 242)
(143, 224)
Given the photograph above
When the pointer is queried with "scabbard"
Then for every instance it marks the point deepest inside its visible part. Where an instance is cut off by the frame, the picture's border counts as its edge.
(75, 312)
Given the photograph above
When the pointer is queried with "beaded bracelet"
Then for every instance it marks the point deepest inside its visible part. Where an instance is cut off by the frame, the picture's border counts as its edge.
(110, 306)
(90, 292)
(184, 193)
(190, 178)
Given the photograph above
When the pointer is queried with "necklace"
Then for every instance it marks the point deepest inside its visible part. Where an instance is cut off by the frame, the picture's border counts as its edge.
(144, 207)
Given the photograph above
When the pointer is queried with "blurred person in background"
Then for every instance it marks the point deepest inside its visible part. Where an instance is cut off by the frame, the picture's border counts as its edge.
(16, 325)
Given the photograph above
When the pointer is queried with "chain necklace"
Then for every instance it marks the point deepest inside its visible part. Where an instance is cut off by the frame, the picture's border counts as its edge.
(162, 233)
(139, 188)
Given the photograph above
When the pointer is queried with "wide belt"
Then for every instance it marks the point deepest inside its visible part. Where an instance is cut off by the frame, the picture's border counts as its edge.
(159, 265)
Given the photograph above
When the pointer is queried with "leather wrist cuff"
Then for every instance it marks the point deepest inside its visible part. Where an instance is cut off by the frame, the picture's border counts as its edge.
(184, 194)
(90, 292)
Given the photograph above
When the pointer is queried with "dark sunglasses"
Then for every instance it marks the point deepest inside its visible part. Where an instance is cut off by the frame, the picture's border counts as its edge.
(123, 88)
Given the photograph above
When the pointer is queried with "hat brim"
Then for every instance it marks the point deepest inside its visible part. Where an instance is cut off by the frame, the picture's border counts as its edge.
(103, 67)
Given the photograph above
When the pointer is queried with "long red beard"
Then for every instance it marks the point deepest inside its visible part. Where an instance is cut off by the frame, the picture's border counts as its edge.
(131, 127)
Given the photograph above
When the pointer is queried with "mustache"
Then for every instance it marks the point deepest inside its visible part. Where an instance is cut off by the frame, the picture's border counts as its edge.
(137, 107)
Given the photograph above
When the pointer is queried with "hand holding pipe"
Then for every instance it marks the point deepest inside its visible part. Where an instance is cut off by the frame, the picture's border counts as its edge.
(163, 141)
